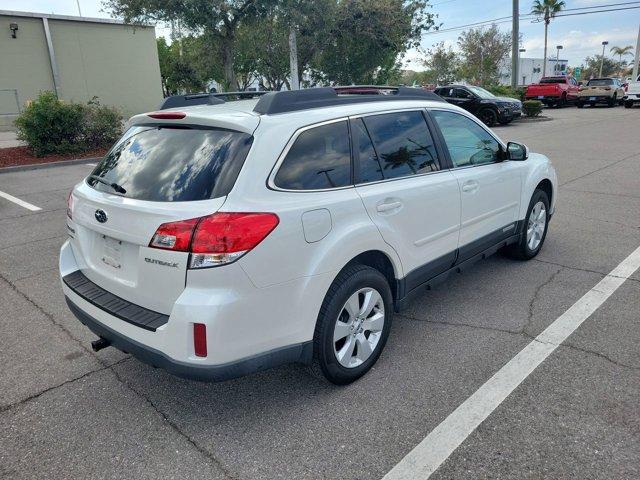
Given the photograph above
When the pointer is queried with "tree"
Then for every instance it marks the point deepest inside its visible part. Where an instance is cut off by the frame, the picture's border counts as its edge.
(591, 67)
(442, 65)
(547, 9)
(178, 72)
(367, 40)
(482, 51)
(217, 19)
(620, 51)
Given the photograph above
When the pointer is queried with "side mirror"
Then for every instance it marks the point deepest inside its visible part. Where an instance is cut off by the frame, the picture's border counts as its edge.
(517, 151)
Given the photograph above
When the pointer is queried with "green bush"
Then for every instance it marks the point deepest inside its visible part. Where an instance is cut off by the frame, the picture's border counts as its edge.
(103, 125)
(506, 91)
(51, 126)
(532, 108)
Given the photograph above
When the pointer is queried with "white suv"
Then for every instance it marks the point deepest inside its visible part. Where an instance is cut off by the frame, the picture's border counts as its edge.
(218, 240)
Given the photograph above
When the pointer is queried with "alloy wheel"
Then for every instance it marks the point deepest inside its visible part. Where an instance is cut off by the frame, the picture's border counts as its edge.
(536, 225)
(358, 328)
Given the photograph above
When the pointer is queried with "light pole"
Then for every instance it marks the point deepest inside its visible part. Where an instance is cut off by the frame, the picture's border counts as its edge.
(604, 44)
(558, 48)
(524, 76)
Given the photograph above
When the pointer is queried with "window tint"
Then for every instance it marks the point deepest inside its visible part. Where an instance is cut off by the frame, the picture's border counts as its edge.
(600, 82)
(444, 92)
(461, 93)
(403, 143)
(168, 164)
(370, 164)
(319, 158)
(468, 143)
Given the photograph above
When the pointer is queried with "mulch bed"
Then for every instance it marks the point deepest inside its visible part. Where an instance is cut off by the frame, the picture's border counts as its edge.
(22, 156)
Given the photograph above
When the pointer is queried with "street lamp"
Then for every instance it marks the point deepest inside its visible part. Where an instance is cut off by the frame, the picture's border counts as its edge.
(558, 48)
(604, 44)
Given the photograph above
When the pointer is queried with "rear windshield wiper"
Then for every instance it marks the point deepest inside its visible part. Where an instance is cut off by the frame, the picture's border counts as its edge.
(115, 186)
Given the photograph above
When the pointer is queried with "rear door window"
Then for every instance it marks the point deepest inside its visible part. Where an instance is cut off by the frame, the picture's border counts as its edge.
(170, 164)
(320, 158)
(403, 144)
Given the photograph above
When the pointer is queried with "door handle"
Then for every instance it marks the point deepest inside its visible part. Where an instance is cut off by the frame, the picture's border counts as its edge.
(387, 207)
(470, 186)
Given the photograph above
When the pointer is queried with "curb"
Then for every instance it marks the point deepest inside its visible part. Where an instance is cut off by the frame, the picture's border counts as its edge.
(38, 166)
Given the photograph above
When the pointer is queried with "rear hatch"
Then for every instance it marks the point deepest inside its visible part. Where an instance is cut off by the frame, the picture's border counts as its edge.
(155, 174)
(597, 88)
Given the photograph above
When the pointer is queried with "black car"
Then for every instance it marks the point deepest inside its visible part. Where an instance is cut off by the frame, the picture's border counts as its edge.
(482, 103)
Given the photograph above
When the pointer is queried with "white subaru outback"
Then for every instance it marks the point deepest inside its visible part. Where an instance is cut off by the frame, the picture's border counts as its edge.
(221, 239)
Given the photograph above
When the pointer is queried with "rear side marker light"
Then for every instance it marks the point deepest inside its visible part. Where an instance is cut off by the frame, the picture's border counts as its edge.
(200, 339)
(216, 239)
(167, 115)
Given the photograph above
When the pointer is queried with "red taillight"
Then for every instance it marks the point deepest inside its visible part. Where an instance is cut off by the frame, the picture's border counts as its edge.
(174, 236)
(70, 205)
(200, 339)
(216, 239)
(167, 115)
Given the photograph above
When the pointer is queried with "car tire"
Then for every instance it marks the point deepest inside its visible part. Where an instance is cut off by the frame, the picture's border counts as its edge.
(532, 228)
(612, 101)
(488, 116)
(355, 281)
(628, 104)
(504, 122)
(579, 104)
(592, 105)
(563, 101)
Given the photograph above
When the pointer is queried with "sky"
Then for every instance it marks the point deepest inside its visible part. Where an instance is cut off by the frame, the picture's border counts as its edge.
(580, 35)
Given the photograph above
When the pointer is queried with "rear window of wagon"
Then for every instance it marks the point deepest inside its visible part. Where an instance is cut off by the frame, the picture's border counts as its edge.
(173, 164)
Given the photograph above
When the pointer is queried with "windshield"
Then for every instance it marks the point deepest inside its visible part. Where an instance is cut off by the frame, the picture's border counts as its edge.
(553, 80)
(481, 92)
(172, 164)
(600, 82)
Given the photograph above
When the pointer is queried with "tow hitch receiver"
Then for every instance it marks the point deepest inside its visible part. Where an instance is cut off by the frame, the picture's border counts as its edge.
(99, 344)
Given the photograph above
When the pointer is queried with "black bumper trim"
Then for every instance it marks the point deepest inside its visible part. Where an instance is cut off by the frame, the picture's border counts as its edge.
(298, 353)
(113, 305)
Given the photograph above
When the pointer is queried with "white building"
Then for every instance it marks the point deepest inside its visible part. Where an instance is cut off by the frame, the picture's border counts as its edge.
(530, 70)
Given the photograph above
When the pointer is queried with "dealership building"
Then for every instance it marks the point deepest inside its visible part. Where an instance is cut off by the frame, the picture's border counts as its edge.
(77, 58)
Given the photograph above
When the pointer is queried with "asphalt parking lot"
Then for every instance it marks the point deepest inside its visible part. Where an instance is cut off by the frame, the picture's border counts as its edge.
(66, 412)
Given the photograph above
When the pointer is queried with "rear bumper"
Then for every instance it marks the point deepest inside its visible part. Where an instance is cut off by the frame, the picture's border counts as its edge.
(595, 98)
(300, 353)
(247, 328)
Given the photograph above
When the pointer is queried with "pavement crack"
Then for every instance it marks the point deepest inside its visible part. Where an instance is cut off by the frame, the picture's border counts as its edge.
(603, 274)
(174, 426)
(50, 317)
(600, 355)
(608, 165)
(30, 398)
(535, 298)
(458, 324)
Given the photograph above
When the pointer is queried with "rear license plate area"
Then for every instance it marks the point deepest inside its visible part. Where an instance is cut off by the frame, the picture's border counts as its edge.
(112, 252)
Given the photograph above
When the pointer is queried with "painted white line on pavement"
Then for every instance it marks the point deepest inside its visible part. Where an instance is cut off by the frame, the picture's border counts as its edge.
(91, 164)
(436, 447)
(17, 201)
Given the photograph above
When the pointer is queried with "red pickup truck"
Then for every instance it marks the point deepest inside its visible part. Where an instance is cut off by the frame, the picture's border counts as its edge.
(552, 91)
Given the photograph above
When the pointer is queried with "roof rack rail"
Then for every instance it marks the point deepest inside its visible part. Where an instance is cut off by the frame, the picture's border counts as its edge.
(192, 99)
(295, 100)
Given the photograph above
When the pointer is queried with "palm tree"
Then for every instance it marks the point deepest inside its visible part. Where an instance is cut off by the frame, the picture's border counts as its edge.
(622, 51)
(546, 9)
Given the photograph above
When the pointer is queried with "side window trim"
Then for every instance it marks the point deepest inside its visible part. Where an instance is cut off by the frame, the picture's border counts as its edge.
(473, 119)
(443, 162)
(271, 185)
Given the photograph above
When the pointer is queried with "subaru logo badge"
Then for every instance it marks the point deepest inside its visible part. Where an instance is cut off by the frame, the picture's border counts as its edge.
(101, 216)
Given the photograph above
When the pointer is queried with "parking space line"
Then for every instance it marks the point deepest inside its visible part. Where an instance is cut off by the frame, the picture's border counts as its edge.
(436, 447)
(91, 164)
(17, 201)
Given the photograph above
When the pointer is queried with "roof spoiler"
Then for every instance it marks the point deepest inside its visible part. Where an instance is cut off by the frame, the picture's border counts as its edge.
(295, 100)
(192, 99)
